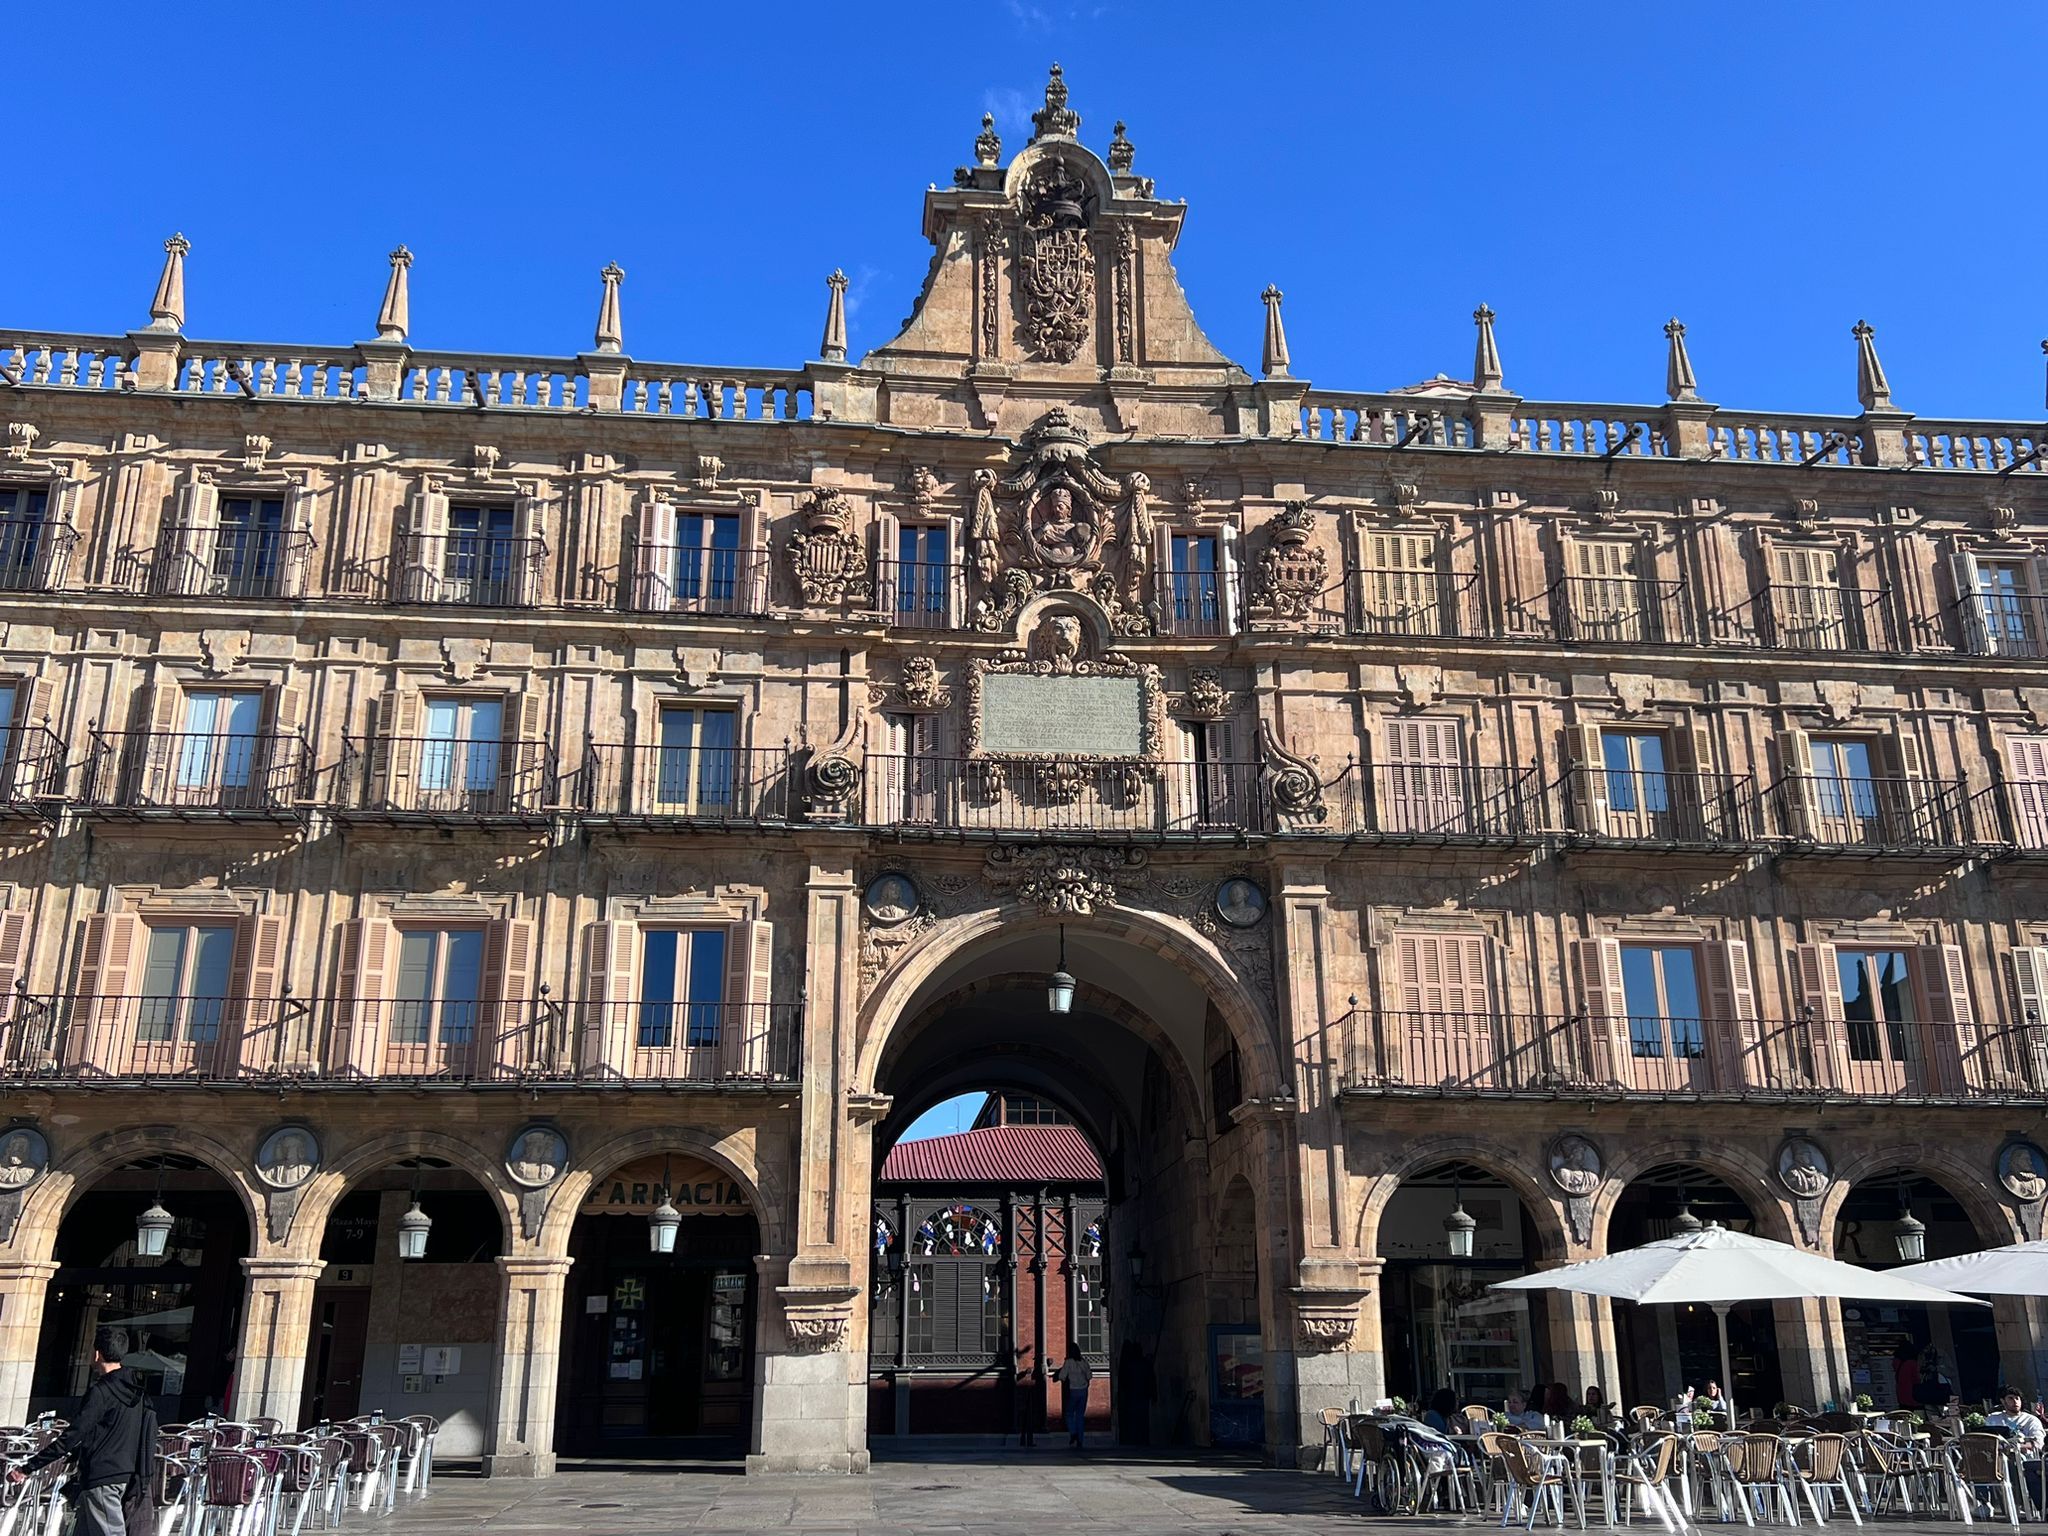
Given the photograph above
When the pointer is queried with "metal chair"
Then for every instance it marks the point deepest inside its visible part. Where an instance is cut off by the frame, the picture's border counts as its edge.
(1534, 1477)
(1332, 1420)
(419, 1467)
(1647, 1470)
(1756, 1467)
(1980, 1461)
(1887, 1468)
(1819, 1466)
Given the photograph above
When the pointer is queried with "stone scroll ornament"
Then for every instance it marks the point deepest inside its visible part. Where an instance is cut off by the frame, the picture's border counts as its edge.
(1292, 782)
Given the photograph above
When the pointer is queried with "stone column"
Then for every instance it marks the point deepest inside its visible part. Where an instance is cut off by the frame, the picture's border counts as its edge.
(1582, 1347)
(23, 1285)
(1810, 1363)
(270, 1368)
(522, 1432)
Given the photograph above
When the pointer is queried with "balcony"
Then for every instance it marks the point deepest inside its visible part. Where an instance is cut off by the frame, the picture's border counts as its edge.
(1067, 796)
(2010, 624)
(1792, 617)
(1456, 1055)
(1620, 610)
(32, 771)
(700, 580)
(1664, 810)
(215, 561)
(654, 786)
(34, 554)
(478, 570)
(196, 776)
(921, 594)
(1420, 604)
(1438, 803)
(2014, 815)
(337, 1042)
(1194, 605)
(1927, 818)
(445, 780)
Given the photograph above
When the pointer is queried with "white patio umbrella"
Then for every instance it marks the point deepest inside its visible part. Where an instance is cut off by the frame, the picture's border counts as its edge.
(2020, 1269)
(1717, 1268)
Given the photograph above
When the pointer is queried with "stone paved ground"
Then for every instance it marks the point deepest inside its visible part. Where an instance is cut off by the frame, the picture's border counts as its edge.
(1012, 1492)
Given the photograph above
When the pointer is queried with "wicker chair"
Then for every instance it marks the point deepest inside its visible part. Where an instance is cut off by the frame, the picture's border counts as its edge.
(1821, 1466)
(1536, 1478)
(1887, 1467)
(1755, 1468)
(1980, 1461)
(1332, 1420)
(1647, 1473)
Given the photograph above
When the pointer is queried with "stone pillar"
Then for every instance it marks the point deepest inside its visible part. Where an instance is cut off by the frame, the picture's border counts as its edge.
(521, 1437)
(23, 1285)
(1810, 1363)
(1582, 1348)
(277, 1314)
(811, 1396)
(2021, 1324)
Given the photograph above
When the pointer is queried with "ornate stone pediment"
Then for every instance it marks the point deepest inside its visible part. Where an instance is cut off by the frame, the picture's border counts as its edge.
(1055, 261)
(1062, 880)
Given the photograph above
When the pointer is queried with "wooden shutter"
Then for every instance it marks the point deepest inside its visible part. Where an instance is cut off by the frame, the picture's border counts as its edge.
(1587, 757)
(1423, 785)
(1597, 964)
(1820, 989)
(654, 560)
(1401, 589)
(255, 980)
(534, 783)
(2026, 772)
(887, 563)
(1799, 803)
(505, 1038)
(369, 954)
(752, 589)
(166, 705)
(1731, 1008)
(394, 748)
(53, 552)
(190, 550)
(108, 953)
(1941, 973)
(1228, 557)
(296, 557)
(31, 759)
(13, 969)
(607, 1028)
(1161, 595)
(1446, 1008)
(1962, 565)
(749, 968)
(2030, 984)
(426, 546)
(531, 515)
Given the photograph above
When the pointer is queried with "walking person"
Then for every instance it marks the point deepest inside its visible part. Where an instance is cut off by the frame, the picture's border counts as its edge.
(1074, 1377)
(111, 1441)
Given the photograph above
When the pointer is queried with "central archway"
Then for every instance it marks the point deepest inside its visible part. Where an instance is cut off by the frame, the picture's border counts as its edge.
(1162, 1043)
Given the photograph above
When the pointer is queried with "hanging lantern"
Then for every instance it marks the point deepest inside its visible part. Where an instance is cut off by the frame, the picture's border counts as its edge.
(1459, 1227)
(153, 1230)
(413, 1227)
(664, 1221)
(1059, 987)
(1910, 1234)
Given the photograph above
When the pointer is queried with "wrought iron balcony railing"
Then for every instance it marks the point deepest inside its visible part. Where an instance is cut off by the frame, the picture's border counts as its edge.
(1064, 795)
(2003, 624)
(440, 778)
(1431, 605)
(2012, 815)
(485, 570)
(1479, 1054)
(921, 594)
(94, 1038)
(213, 560)
(32, 770)
(1705, 810)
(1620, 610)
(1901, 815)
(35, 553)
(191, 774)
(1196, 605)
(1789, 616)
(1437, 803)
(652, 785)
(700, 579)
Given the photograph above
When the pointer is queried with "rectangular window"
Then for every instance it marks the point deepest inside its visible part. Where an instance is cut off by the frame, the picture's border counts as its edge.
(682, 970)
(1844, 788)
(1877, 1001)
(1196, 595)
(464, 749)
(1807, 598)
(1661, 988)
(1424, 787)
(923, 563)
(23, 510)
(185, 983)
(218, 749)
(1637, 779)
(248, 547)
(708, 558)
(697, 774)
(440, 985)
(1604, 596)
(481, 560)
(2005, 599)
(1400, 588)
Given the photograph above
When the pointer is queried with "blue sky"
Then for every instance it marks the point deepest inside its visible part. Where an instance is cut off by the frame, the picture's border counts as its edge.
(946, 1117)
(1768, 172)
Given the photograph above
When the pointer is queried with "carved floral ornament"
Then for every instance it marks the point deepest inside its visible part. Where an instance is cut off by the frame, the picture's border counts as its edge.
(21, 439)
(1055, 263)
(1206, 698)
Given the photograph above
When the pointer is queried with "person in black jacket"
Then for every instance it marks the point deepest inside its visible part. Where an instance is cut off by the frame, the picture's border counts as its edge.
(112, 1440)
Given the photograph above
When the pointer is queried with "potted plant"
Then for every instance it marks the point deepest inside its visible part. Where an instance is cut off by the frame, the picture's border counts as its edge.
(1583, 1428)
(1500, 1421)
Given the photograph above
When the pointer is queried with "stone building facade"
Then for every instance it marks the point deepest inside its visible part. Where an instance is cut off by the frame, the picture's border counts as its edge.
(449, 780)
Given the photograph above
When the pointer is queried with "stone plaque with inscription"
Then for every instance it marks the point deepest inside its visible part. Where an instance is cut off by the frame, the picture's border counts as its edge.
(1062, 716)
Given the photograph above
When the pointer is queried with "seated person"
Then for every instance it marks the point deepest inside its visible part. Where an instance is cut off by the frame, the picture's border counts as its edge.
(1443, 1408)
(1521, 1415)
(2024, 1429)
